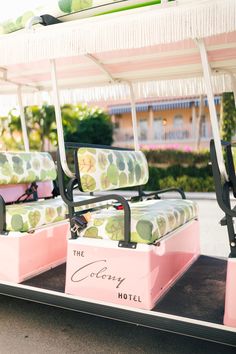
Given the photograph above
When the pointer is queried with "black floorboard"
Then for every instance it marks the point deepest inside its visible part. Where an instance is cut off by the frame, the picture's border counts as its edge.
(198, 294)
(53, 279)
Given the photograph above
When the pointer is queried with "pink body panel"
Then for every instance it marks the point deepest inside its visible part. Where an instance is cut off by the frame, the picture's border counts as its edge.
(11, 192)
(29, 254)
(146, 59)
(230, 294)
(45, 189)
(98, 269)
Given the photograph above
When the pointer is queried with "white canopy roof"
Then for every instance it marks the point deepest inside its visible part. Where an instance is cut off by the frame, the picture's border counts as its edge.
(153, 47)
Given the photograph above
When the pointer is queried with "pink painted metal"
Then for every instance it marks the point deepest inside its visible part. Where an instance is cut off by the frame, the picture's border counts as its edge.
(98, 269)
(26, 255)
(149, 65)
(230, 294)
(11, 192)
(45, 189)
(179, 58)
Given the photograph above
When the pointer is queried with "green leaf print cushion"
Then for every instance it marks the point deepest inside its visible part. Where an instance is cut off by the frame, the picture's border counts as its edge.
(26, 167)
(69, 6)
(150, 220)
(108, 169)
(28, 216)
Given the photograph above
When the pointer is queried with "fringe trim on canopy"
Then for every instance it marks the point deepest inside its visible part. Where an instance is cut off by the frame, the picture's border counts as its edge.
(125, 30)
(153, 89)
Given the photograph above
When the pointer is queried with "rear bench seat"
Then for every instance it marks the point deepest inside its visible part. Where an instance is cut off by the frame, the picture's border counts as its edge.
(32, 240)
(107, 169)
(17, 171)
(131, 253)
(24, 168)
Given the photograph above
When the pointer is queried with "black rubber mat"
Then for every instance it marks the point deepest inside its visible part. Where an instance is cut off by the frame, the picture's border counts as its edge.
(199, 293)
(53, 279)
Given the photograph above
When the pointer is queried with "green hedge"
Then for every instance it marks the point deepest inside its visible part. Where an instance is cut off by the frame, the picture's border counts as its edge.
(160, 178)
(177, 157)
(190, 179)
(187, 170)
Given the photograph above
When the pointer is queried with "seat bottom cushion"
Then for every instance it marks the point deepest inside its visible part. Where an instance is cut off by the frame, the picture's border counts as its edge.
(28, 216)
(150, 220)
(25, 217)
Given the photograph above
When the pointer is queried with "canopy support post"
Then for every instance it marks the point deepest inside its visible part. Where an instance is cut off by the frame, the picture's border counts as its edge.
(22, 119)
(132, 95)
(60, 133)
(134, 117)
(211, 103)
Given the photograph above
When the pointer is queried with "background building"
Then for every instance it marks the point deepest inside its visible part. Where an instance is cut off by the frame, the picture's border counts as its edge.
(167, 122)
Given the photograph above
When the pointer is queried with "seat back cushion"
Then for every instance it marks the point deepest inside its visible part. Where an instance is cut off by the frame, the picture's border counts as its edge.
(108, 169)
(26, 167)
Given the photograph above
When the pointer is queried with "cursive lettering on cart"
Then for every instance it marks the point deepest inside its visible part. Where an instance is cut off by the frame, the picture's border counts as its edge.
(95, 270)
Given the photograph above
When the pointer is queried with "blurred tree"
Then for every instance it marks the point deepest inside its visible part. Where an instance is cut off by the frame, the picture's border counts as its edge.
(40, 122)
(80, 122)
(228, 126)
(92, 126)
(12, 136)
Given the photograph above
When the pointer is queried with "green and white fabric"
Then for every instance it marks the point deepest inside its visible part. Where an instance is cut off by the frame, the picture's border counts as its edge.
(58, 8)
(150, 220)
(28, 216)
(105, 169)
(26, 167)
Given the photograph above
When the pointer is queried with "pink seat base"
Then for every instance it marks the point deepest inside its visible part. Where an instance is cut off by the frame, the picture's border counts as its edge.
(98, 269)
(11, 192)
(26, 255)
(230, 294)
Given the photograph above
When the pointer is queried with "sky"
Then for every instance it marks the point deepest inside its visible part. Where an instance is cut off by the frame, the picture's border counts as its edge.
(15, 8)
